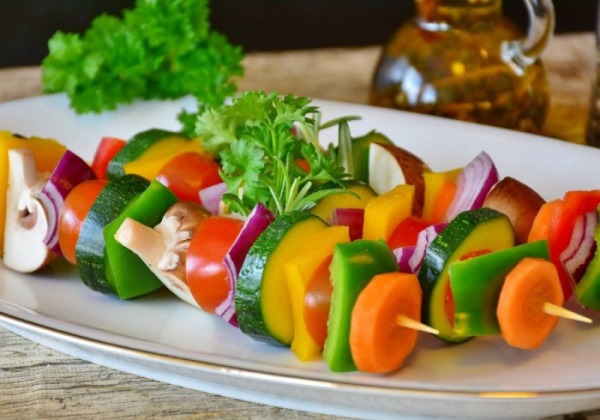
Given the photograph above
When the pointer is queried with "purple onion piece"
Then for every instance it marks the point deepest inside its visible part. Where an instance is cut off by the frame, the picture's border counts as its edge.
(403, 255)
(425, 237)
(473, 185)
(353, 218)
(582, 246)
(210, 197)
(577, 235)
(69, 172)
(258, 220)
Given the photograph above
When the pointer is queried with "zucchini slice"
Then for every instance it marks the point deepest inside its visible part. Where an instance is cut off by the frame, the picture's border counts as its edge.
(470, 231)
(137, 145)
(262, 298)
(91, 247)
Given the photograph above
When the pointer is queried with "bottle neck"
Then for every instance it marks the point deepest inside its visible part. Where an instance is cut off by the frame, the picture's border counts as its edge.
(458, 13)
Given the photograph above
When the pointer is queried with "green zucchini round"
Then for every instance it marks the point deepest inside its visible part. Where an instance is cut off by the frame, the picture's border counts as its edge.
(91, 248)
(470, 231)
(261, 298)
(135, 147)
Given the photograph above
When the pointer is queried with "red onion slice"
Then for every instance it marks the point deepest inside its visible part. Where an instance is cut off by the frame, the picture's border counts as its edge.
(403, 256)
(258, 220)
(473, 185)
(69, 172)
(353, 218)
(425, 237)
(576, 238)
(210, 197)
(582, 245)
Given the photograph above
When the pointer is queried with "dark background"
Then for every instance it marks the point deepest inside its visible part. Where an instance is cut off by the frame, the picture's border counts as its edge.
(26, 25)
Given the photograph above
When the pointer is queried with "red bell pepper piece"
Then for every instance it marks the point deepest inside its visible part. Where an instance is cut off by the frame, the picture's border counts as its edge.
(407, 232)
(574, 204)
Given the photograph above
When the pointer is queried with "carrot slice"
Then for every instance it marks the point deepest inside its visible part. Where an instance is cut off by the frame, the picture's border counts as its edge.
(377, 342)
(543, 219)
(527, 288)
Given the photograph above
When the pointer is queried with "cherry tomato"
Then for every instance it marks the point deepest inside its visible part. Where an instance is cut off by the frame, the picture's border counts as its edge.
(407, 232)
(73, 214)
(187, 173)
(317, 302)
(107, 149)
(206, 274)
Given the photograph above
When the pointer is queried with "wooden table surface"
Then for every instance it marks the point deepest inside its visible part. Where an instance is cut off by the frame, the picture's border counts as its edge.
(37, 382)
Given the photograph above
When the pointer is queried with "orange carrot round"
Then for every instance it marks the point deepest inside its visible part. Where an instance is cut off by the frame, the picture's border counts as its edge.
(377, 342)
(531, 284)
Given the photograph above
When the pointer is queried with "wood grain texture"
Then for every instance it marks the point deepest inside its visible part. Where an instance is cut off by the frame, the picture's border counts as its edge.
(37, 382)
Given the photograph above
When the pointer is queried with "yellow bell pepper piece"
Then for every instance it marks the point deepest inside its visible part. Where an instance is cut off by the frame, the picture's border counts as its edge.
(385, 212)
(298, 273)
(152, 160)
(275, 298)
(47, 154)
(434, 181)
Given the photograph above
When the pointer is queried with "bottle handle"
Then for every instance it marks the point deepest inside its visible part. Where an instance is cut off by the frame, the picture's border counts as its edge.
(521, 54)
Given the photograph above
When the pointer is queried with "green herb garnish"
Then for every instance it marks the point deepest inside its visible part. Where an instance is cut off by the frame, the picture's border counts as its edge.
(269, 151)
(161, 49)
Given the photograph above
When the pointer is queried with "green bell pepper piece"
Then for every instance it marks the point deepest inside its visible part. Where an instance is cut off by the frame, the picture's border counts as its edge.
(476, 285)
(587, 290)
(353, 266)
(127, 274)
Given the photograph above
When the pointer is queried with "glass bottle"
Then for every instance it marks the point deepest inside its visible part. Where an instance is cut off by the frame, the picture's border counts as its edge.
(464, 59)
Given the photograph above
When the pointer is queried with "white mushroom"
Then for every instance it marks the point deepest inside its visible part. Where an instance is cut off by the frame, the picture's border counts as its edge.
(164, 248)
(26, 218)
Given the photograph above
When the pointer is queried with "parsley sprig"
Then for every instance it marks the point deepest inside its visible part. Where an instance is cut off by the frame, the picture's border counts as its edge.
(160, 49)
(269, 152)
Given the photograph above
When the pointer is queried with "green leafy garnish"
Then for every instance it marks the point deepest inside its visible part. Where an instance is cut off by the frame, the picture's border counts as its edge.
(161, 49)
(269, 151)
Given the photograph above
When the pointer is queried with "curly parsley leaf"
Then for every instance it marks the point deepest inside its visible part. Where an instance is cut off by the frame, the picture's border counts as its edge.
(269, 151)
(160, 49)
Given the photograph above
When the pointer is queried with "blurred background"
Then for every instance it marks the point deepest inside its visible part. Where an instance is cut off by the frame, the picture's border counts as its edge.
(257, 25)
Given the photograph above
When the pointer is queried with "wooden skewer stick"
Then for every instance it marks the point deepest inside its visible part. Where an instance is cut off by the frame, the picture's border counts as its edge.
(407, 322)
(552, 309)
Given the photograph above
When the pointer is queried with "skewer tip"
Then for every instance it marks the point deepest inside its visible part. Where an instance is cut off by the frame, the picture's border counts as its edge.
(407, 322)
(559, 311)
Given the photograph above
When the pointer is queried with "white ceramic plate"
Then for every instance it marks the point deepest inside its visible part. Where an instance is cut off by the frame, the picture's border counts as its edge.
(162, 338)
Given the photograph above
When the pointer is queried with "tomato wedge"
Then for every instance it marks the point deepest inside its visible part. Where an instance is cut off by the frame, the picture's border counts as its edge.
(206, 274)
(73, 213)
(107, 149)
(317, 301)
(188, 173)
